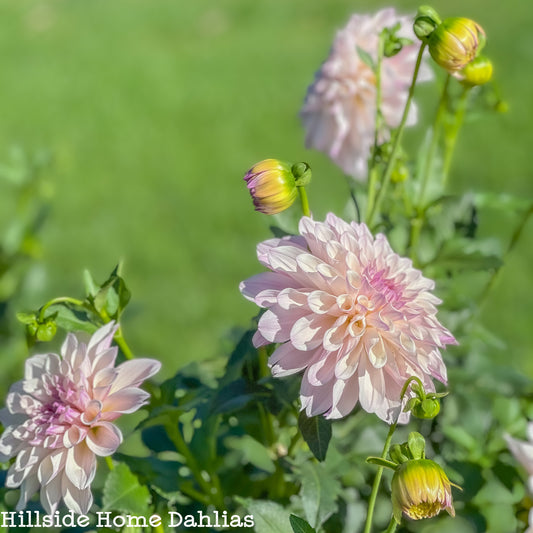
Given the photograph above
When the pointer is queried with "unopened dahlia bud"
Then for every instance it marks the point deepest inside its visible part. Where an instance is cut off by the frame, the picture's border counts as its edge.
(426, 21)
(420, 489)
(272, 186)
(456, 42)
(477, 72)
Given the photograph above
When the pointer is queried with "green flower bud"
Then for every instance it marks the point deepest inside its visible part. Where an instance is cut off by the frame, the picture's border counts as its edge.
(420, 489)
(456, 42)
(477, 72)
(427, 408)
(46, 332)
(426, 20)
(272, 186)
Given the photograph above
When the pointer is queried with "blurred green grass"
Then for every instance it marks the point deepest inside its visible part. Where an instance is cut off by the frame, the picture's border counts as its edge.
(154, 110)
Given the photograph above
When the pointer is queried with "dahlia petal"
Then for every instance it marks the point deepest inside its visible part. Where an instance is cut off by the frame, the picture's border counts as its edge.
(347, 365)
(287, 360)
(315, 400)
(73, 436)
(50, 466)
(290, 298)
(334, 337)
(51, 494)
(69, 346)
(28, 488)
(92, 412)
(258, 340)
(104, 359)
(308, 331)
(345, 398)
(523, 451)
(320, 302)
(126, 400)
(80, 466)
(322, 370)
(9, 445)
(104, 438)
(101, 340)
(133, 373)
(263, 288)
(78, 500)
(377, 353)
(276, 323)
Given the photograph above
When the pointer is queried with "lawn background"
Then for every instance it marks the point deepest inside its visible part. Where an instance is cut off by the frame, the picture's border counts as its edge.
(153, 111)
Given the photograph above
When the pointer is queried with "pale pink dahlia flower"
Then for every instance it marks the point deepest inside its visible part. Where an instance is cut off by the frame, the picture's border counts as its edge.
(351, 313)
(59, 418)
(339, 112)
(523, 452)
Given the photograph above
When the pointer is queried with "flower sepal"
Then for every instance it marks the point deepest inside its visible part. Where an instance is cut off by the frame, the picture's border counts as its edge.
(426, 21)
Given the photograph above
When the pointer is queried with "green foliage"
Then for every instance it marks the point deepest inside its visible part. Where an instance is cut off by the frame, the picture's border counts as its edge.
(123, 493)
(316, 431)
(299, 525)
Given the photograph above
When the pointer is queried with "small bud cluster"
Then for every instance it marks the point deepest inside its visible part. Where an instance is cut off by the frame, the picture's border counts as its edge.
(454, 44)
(424, 405)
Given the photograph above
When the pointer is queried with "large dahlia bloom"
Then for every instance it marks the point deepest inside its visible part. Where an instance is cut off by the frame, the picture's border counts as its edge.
(339, 112)
(351, 313)
(59, 418)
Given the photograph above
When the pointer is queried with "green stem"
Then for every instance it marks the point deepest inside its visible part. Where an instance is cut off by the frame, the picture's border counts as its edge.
(451, 137)
(119, 339)
(214, 495)
(392, 526)
(158, 529)
(386, 446)
(109, 463)
(59, 300)
(304, 201)
(377, 481)
(434, 141)
(517, 234)
(396, 141)
(372, 170)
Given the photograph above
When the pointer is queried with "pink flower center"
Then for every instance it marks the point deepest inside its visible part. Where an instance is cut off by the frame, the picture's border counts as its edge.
(62, 411)
(389, 288)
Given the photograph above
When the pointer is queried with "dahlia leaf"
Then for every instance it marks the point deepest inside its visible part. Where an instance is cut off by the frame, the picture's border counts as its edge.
(122, 492)
(316, 431)
(319, 492)
(253, 452)
(299, 525)
(269, 517)
(238, 394)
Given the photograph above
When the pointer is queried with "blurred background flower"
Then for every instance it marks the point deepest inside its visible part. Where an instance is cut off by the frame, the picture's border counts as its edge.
(339, 113)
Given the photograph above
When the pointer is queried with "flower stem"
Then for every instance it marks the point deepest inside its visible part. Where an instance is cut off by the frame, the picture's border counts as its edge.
(434, 141)
(119, 339)
(450, 139)
(304, 201)
(392, 526)
(109, 463)
(396, 141)
(372, 170)
(386, 446)
(512, 243)
(377, 481)
(59, 300)
(211, 491)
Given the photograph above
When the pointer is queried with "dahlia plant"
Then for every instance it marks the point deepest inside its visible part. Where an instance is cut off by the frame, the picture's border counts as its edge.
(361, 398)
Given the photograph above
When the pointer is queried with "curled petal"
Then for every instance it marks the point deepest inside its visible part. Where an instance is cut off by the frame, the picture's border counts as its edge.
(104, 438)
